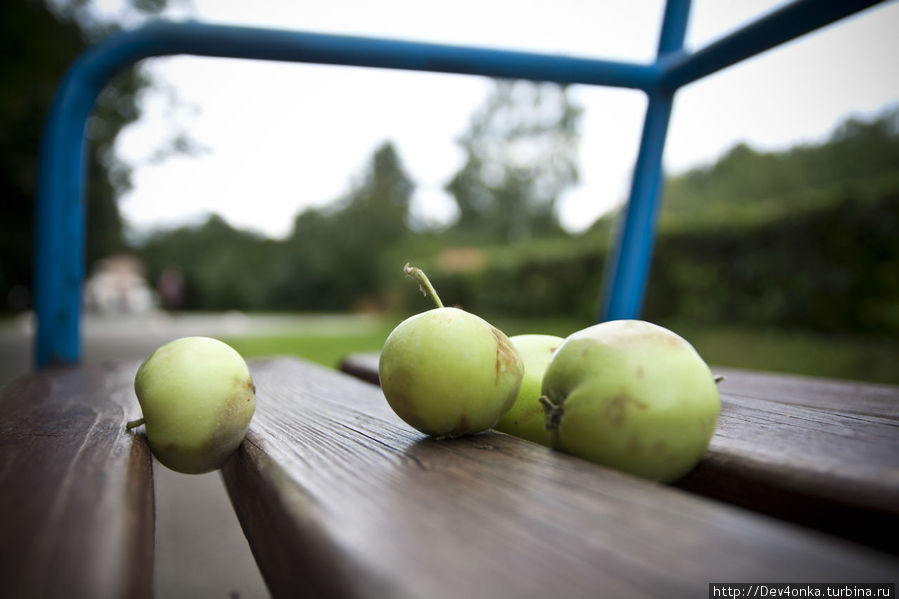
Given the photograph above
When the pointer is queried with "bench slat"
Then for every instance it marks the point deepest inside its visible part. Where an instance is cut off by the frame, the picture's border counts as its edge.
(822, 453)
(362, 366)
(77, 499)
(846, 397)
(337, 496)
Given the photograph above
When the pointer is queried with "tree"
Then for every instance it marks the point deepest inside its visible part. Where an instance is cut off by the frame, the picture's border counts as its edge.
(378, 208)
(38, 41)
(333, 255)
(745, 183)
(390, 188)
(221, 267)
(521, 154)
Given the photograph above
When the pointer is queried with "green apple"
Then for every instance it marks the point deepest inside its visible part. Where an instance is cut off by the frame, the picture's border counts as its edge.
(447, 372)
(633, 396)
(197, 399)
(526, 418)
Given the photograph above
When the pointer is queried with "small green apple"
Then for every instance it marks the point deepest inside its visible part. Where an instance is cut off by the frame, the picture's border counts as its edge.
(447, 372)
(526, 418)
(633, 396)
(197, 399)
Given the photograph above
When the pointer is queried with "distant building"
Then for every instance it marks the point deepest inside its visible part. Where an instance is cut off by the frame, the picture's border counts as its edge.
(461, 259)
(117, 285)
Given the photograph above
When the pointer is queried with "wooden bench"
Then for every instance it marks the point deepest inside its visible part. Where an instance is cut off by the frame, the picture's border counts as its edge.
(821, 453)
(338, 497)
(76, 490)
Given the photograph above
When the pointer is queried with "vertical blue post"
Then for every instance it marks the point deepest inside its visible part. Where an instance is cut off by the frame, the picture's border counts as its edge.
(59, 222)
(627, 268)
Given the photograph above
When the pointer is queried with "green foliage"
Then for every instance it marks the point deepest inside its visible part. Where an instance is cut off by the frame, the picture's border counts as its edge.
(334, 256)
(331, 261)
(746, 187)
(545, 278)
(801, 240)
(38, 41)
(222, 267)
(807, 238)
(744, 242)
(36, 48)
(835, 269)
(521, 154)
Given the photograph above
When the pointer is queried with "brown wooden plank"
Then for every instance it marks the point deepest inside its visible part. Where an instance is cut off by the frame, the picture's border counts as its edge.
(338, 497)
(845, 397)
(77, 489)
(362, 366)
(822, 453)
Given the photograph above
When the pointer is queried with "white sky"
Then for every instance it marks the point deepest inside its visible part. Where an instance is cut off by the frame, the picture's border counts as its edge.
(282, 137)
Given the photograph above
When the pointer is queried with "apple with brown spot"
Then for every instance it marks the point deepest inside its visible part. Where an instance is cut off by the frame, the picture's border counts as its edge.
(631, 395)
(447, 372)
(197, 399)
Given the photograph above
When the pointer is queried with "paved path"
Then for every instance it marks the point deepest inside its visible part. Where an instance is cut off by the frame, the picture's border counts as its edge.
(200, 549)
(130, 336)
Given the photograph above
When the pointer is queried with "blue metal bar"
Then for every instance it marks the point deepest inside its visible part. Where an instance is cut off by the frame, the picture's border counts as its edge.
(782, 25)
(59, 244)
(166, 38)
(627, 268)
(59, 224)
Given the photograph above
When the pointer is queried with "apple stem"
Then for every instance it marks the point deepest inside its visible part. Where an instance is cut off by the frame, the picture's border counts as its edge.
(719, 378)
(134, 424)
(419, 276)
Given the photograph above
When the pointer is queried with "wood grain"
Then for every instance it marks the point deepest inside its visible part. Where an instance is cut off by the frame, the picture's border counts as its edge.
(338, 497)
(843, 396)
(819, 452)
(362, 366)
(77, 489)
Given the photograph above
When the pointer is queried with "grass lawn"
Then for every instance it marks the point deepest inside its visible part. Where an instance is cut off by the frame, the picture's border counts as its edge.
(323, 347)
(875, 360)
(858, 358)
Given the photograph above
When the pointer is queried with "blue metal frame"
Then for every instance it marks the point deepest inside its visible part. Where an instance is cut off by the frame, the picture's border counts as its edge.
(627, 269)
(59, 239)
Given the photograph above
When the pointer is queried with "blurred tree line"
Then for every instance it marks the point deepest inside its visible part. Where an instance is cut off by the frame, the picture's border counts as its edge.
(805, 238)
(521, 154)
(521, 151)
(746, 185)
(802, 239)
(330, 261)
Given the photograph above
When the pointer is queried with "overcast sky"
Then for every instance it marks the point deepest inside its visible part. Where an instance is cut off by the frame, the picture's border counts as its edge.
(281, 137)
